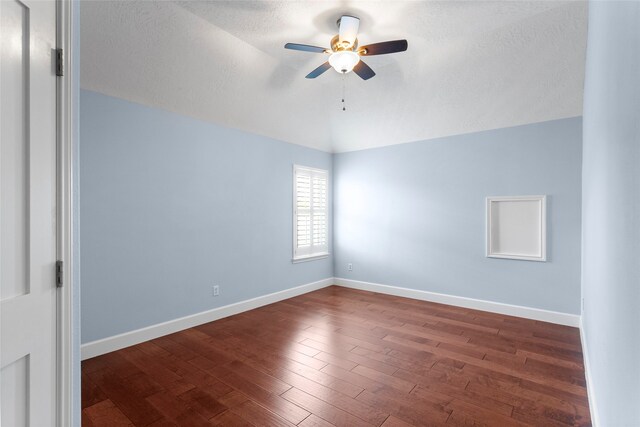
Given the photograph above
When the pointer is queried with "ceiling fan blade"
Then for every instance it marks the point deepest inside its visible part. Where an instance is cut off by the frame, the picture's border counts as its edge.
(321, 69)
(348, 29)
(305, 48)
(363, 70)
(383, 48)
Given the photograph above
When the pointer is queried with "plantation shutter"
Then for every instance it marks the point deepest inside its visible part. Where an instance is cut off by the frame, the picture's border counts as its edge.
(311, 214)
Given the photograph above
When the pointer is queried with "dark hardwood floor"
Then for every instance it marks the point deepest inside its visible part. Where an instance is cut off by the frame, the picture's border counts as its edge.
(346, 358)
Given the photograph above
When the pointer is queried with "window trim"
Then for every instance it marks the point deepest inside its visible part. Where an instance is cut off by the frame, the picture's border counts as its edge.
(315, 255)
(305, 258)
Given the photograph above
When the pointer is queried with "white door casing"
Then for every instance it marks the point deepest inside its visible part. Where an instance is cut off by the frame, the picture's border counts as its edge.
(27, 213)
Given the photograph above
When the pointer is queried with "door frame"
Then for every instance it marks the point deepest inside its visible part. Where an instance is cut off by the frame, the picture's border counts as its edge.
(67, 349)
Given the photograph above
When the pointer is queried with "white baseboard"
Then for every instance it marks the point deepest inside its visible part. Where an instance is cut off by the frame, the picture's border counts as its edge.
(116, 342)
(476, 304)
(595, 420)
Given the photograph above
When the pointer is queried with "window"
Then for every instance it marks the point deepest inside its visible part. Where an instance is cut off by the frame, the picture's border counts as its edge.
(310, 213)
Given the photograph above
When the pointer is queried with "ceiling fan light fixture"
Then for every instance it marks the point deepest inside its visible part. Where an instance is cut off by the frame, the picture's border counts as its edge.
(343, 61)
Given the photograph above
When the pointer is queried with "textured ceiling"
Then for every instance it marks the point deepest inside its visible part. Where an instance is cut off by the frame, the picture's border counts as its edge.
(470, 66)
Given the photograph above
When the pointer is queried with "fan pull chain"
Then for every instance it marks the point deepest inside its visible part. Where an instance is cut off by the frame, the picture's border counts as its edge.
(344, 85)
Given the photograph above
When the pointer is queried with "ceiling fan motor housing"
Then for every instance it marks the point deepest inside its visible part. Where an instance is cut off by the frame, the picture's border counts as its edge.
(337, 46)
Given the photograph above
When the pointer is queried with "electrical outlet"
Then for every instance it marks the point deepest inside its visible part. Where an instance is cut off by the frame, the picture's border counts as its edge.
(216, 290)
(583, 305)
(350, 267)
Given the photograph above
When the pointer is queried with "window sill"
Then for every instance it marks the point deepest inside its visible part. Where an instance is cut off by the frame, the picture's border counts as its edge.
(310, 258)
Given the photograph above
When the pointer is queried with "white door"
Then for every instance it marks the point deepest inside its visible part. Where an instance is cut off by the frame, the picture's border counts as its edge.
(27, 214)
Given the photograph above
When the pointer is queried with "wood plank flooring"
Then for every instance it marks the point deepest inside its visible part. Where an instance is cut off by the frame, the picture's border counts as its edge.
(344, 357)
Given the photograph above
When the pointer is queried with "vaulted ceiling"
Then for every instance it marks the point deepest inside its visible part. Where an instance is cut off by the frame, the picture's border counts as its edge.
(470, 66)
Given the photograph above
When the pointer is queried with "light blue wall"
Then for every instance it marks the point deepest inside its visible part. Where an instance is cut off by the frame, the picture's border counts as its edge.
(611, 211)
(171, 206)
(413, 215)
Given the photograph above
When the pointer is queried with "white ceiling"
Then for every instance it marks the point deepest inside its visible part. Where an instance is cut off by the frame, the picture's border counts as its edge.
(470, 66)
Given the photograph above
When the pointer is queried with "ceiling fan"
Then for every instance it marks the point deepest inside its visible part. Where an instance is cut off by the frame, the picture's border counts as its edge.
(345, 53)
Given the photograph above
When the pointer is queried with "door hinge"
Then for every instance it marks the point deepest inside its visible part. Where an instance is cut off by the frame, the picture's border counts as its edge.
(59, 277)
(59, 62)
